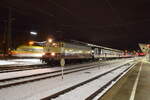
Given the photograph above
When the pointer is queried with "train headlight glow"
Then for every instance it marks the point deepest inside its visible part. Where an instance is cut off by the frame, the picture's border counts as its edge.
(53, 54)
(54, 44)
(43, 54)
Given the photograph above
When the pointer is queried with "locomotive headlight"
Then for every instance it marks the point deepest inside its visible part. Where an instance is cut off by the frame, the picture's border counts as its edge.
(53, 54)
(92, 51)
(43, 54)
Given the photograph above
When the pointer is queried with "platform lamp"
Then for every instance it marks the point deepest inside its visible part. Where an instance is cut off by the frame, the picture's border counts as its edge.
(33, 33)
(50, 40)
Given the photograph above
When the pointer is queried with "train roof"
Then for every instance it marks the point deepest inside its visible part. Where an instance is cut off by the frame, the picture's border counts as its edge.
(88, 44)
(96, 46)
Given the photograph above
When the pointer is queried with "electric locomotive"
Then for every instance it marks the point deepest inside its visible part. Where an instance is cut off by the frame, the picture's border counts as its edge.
(55, 51)
(28, 51)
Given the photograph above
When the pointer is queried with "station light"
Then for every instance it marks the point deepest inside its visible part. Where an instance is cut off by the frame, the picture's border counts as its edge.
(33, 33)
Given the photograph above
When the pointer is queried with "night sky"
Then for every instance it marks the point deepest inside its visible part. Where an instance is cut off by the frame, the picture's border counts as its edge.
(120, 24)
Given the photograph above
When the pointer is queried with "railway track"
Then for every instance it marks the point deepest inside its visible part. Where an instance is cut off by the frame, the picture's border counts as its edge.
(4, 83)
(9, 68)
(82, 84)
(6, 69)
(32, 78)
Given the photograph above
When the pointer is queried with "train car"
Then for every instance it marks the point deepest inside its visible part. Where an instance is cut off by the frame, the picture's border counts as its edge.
(76, 51)
(28, 51)
(108, 53)
(100, 52)
(55, 51)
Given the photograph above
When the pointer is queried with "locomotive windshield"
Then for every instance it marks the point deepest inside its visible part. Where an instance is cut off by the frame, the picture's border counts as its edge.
(54, 44)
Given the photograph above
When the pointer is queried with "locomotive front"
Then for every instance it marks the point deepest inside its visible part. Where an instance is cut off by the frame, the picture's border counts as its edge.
(55, 51)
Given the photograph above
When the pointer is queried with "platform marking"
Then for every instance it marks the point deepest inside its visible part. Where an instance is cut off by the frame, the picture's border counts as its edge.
(132, 96)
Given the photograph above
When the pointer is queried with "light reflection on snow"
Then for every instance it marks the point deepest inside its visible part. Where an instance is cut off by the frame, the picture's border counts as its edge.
(20, 62)
(43, 88)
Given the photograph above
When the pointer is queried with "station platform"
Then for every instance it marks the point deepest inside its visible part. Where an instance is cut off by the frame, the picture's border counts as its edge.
(135, 85)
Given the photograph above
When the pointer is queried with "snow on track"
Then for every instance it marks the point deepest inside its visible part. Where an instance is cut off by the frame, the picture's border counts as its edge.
(20, 62)
(38, 71)
(80, 94)
(26, 73)
(44, 88)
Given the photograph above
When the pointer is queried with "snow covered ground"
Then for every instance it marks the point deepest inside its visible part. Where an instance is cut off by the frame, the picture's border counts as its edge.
(40, 89)
(39, 71)
(80, 94)
(20, 62)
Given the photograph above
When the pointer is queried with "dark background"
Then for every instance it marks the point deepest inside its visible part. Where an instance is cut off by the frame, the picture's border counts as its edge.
(120, 24)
